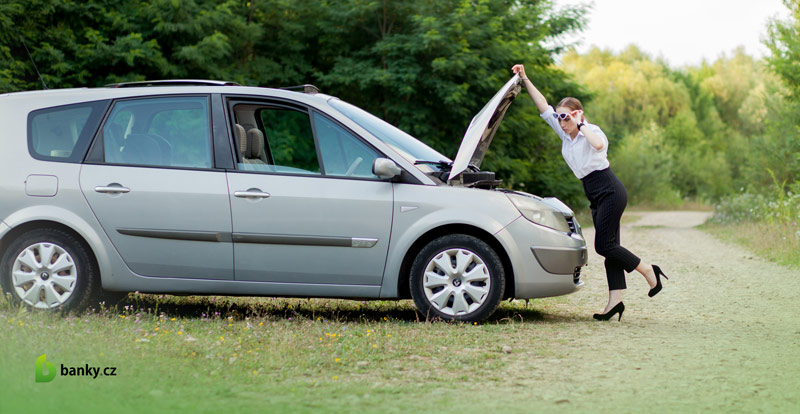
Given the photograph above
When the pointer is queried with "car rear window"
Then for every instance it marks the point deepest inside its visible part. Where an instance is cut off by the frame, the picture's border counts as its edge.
(63, 133)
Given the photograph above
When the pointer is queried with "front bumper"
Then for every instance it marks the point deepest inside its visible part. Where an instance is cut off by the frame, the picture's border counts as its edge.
(560, 260)
(546, 262)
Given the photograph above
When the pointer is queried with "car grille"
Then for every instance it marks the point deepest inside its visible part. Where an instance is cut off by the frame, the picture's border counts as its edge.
(573, 225)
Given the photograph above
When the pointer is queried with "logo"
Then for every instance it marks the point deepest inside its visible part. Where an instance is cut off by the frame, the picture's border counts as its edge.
(45, 371)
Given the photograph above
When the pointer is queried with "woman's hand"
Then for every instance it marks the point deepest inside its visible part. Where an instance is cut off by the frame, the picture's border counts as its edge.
(577, 117)
(520, 69)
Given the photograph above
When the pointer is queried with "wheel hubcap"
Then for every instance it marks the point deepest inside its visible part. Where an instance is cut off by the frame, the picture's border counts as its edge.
(456, 282)
(44, 275)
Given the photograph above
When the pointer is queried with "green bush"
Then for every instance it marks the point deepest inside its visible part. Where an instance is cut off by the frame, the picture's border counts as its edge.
(643, 165)
(780, 207)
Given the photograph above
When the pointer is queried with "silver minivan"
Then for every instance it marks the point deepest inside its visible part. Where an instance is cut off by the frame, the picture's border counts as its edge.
(206, 187)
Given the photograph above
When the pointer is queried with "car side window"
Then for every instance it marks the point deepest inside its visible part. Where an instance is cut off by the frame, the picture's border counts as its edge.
(163, 132)
(290, 139)
(275, 139)
(63, 133)
(343, 154)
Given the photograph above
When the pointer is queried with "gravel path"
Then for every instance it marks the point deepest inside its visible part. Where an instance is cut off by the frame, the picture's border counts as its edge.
(723, 335)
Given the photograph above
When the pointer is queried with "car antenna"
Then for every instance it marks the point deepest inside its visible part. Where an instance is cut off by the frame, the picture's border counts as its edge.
(34, 63)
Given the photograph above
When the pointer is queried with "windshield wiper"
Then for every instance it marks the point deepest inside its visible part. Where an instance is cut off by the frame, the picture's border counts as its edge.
(440, 163)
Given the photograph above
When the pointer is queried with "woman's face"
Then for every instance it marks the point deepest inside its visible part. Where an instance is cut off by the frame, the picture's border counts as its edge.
(566, 124)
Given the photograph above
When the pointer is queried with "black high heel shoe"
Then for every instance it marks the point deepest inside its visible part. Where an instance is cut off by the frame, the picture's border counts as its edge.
(657, 287)
(618, 308)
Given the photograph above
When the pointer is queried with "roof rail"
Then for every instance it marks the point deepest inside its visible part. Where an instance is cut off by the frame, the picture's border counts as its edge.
(307, 88)
(172, 82)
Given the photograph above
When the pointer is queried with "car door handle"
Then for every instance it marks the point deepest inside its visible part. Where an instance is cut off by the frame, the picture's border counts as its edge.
(251, 193)
(112, 189)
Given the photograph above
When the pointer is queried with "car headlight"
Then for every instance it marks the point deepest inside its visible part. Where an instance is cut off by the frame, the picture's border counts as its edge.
(540, 213)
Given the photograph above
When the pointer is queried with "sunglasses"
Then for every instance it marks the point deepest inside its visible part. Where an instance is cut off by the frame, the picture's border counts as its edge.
(561, 117)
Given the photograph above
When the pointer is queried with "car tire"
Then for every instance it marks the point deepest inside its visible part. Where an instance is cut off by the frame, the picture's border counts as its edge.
(457, 277)
(48, 269)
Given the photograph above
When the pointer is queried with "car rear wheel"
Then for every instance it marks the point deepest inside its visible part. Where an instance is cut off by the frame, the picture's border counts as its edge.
(48, 269)
(457, 277)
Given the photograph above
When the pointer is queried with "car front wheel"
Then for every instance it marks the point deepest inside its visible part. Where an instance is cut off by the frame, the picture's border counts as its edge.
(457, 277)
(48, 269)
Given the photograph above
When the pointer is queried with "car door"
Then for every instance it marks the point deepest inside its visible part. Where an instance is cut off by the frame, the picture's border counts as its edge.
(306, 207)
(150, 181)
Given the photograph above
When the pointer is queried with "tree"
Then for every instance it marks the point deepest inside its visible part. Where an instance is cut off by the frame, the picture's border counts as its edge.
(777, 157)
(783, 41)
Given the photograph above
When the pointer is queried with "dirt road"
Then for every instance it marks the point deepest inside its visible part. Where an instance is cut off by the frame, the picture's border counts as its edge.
(723, 336)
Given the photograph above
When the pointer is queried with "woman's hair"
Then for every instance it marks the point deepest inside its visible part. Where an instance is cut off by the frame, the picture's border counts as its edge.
(573, 104)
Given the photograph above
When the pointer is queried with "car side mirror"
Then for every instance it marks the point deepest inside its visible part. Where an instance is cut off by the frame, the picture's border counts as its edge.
(385, 168)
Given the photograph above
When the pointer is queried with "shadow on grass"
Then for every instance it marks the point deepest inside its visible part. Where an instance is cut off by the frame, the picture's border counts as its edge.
(336, 310)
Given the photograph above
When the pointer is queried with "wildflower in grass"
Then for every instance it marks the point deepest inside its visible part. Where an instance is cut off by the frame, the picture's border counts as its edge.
(222, 338)
(374, 345)
(122, 316)
(337, 360)
(180, 332)
(335, 377)
(172, 319)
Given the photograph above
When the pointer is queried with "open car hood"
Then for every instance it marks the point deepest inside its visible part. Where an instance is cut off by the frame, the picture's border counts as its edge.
(483, 127)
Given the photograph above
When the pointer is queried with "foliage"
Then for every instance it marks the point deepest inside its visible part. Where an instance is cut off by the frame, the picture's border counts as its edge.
(715, 128)
(778, 208)
(783, 40)
(646, 177)
(768, 224)
(631, 90)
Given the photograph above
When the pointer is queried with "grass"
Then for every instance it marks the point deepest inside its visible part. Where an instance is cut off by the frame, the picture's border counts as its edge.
(172, 353)
(221, 354)
(768, 224)
(773, 241)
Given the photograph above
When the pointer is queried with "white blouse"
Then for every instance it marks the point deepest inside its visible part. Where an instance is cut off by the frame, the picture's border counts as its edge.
(579, 154)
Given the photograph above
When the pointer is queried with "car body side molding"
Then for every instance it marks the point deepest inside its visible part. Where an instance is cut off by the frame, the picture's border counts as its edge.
(225, 237)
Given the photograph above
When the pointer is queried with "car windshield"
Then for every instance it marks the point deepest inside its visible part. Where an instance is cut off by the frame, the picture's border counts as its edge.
(409, 147)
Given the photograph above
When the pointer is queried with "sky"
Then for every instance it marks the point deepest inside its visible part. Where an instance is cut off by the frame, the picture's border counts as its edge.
(683, 32)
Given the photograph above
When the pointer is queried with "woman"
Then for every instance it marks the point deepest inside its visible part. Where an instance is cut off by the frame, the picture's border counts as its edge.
(585, 147)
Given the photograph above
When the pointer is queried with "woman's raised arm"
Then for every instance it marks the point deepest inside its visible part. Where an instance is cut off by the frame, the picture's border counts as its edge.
(537, 96)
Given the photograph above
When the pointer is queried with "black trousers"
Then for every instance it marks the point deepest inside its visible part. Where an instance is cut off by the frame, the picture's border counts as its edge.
(608, 198)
